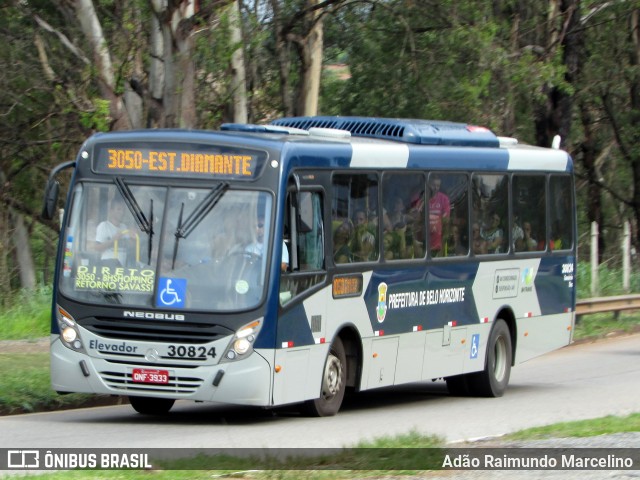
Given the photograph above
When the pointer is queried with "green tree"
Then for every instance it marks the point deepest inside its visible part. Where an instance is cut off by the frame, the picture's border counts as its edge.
(609, 98)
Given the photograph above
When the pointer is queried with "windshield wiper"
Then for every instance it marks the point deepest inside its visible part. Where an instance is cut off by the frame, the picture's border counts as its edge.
(199, 213)
(150, 231)
(146, 225)
(132, 203)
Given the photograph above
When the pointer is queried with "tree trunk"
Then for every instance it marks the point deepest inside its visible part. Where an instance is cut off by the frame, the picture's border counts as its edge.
(554, 116)
(238, 72)
(92, 30)
(634, 92)
(284, 61)
(155, 110)
(186, 79)
(311, 64)
(5, 276)
(172, 75)
(24, 256)
(589, 163)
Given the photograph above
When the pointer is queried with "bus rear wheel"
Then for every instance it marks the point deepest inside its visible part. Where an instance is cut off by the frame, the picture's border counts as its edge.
(493, 380)
(334, 379)
(151, 405)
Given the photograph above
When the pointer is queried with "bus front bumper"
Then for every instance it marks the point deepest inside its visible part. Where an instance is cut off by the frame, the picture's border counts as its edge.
(246, 382)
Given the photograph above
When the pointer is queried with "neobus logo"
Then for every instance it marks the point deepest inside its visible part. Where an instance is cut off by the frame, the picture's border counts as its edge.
(153, 315)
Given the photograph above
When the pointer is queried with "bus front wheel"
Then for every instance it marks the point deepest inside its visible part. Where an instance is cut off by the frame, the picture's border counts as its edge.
(493, 380)
(151, 406)
(334, 378)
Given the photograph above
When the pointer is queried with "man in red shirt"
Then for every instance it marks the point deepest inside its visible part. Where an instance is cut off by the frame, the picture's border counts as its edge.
(439, 210)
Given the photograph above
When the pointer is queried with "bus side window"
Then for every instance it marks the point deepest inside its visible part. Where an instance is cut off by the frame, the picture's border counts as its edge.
(305, 246)
(490, 212)
(448, 214)
(355, 214)
(310, 232)
(561, 212)
(529, 213)
(403, 216)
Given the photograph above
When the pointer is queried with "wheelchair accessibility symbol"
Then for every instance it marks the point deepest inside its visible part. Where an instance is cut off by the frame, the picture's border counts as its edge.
(475, 345)
(171, 292)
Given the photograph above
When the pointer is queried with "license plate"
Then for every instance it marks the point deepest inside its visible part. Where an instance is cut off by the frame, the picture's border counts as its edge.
(144, 375)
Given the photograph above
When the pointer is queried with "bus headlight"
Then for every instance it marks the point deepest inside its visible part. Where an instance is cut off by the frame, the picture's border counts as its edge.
(69, 332)
(242, 344)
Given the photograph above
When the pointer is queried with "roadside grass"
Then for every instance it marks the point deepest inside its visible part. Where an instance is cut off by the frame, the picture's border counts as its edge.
(601, 325)
(25, 386)
(27, 315)
(581, 428)
(609, 281)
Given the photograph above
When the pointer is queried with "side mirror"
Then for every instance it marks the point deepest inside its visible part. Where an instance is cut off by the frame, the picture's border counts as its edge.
(52, 190)
(50, 199)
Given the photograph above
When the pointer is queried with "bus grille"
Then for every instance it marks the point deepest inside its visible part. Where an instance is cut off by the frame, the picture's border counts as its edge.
(150, 331)
(177, 385)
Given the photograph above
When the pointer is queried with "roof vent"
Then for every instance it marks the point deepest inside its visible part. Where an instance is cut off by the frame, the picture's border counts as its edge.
(425, 132)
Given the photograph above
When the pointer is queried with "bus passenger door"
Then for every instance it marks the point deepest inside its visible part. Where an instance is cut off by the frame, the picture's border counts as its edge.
(300, 352)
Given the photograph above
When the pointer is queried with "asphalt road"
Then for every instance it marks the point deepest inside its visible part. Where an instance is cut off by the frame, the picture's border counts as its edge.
(577, 382)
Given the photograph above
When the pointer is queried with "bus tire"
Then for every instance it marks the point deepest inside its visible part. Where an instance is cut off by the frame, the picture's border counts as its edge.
(493, 380)
(151, 405)
(334, 383)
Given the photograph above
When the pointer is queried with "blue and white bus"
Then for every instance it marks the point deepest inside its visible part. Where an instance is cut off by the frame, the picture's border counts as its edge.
(288, 263)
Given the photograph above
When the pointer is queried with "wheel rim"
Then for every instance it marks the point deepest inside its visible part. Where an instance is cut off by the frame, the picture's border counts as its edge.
(332, 381)
(500, 359)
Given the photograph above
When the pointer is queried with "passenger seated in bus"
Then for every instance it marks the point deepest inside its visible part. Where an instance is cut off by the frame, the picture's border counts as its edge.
(395, 233)
(257, 247)
(398, 212)
(112, 234)
(227, 240)
(493, 234)
(455, 246)
(517, 235)
(342, 238)
(375, 218)
(395, 243)
(529, 244)
(415, 225)
(364, 242)
(478, 243)
(558, 238)
(284, 264)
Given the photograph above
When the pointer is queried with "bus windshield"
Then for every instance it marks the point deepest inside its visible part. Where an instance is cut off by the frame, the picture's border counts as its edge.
(166, 247)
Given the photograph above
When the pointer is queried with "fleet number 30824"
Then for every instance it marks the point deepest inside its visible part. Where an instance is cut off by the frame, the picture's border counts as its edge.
(567, 268)
(181, 351)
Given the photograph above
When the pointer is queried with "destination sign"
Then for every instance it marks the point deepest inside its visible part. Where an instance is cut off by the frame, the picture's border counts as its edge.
(179, 160)
(347, 286)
